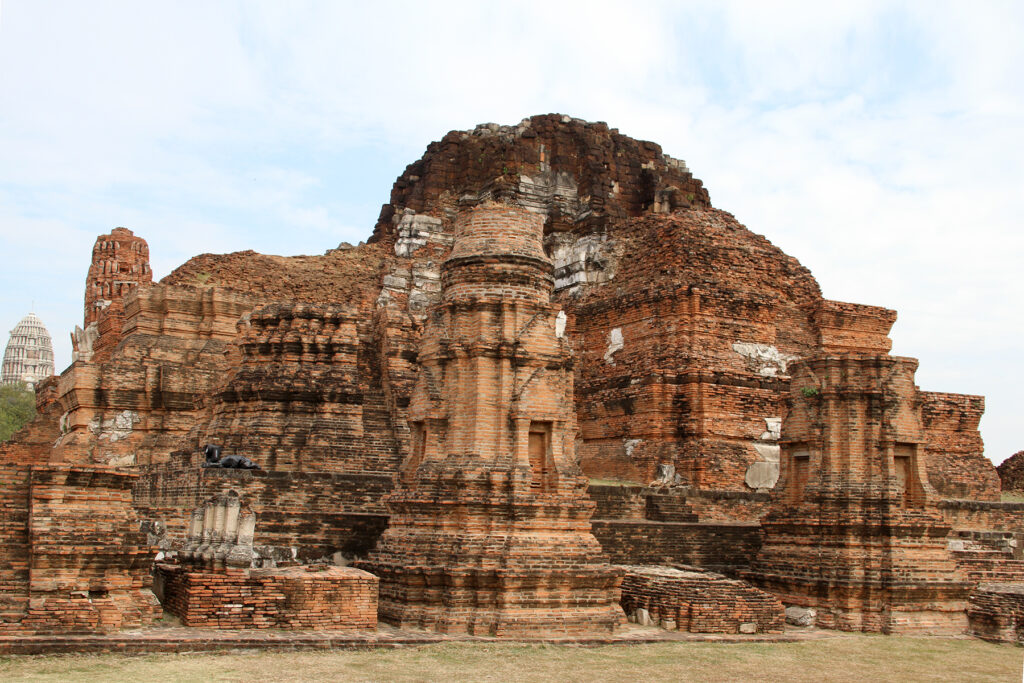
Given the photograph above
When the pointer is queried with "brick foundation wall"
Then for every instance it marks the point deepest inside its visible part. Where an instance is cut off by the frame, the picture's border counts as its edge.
(996, 612)
(293, 598)
(700, 602)
(991, 570)
(714, 506)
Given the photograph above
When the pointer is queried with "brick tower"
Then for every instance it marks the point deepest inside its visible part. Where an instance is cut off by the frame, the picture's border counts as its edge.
(490, 525)
(120, 262)
(852, 530)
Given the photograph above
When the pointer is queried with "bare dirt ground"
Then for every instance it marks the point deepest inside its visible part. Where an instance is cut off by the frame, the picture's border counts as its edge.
(847, 657)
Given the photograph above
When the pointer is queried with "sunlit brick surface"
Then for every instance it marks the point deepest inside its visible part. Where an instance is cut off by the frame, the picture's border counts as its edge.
(489, 530)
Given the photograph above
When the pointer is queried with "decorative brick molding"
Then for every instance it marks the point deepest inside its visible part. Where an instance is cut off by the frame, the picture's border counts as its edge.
(489, 530)
(853, 530)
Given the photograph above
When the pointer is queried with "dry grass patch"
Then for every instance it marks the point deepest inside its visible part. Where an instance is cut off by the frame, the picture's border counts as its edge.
(843, 658)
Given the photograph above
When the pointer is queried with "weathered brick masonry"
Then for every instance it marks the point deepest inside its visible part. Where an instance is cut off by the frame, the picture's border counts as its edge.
(957, 467)
(489, 528)
(311, 597)
(699, 602)
(120, 263)
(996, 612)
(852, 530)
(302, 515)
(134, 407)
(677, 348)
(637, 525)
(88, 565)
(1011, 472)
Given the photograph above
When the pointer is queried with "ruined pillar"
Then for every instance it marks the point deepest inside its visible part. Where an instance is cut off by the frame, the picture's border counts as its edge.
(490, 524)
(852, 530)
(120, 263)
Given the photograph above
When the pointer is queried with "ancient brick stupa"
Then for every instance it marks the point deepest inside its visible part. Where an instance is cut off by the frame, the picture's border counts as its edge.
(120, 263)
(490, 525)
(853, 530)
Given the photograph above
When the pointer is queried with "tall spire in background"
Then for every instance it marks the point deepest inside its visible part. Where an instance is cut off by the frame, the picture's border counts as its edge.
(28, 357)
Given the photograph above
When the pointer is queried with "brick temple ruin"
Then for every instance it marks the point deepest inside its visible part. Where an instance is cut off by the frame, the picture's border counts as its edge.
(555, 390)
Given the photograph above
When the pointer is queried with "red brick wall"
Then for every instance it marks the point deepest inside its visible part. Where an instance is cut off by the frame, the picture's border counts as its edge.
(295, 598)
(28, 447)
(978, 514)
(726, 548)
(678, 392)
(89, 565)
(709, 505)
(996, 612)
(700, 602)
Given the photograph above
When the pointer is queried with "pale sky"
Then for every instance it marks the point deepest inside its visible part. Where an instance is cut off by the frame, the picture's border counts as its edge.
(880, 143)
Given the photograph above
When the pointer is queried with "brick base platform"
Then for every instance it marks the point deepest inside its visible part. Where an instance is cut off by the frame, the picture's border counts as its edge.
(996, 612)
(699, 602)
(336, 598)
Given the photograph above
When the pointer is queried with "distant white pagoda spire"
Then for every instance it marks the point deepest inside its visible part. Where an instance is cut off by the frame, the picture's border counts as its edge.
(28, 357)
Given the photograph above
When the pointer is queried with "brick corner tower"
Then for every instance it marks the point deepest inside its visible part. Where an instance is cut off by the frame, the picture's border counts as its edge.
(853, 530)
(120, 263)
(489, 528)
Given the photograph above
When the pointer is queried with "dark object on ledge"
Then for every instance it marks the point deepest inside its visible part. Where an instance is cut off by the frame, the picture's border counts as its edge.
(234, 462)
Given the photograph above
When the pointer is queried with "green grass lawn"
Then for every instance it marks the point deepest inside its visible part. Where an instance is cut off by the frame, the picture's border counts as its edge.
(847, 657)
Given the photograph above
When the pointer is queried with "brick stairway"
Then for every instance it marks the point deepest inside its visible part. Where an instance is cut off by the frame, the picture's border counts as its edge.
(987, 556)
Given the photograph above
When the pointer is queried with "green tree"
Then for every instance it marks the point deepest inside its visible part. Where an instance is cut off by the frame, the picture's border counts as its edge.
(17, 407)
